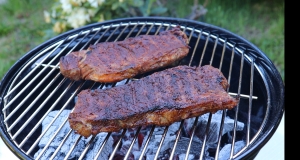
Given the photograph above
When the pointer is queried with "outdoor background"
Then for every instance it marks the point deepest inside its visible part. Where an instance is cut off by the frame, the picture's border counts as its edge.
(23, 22)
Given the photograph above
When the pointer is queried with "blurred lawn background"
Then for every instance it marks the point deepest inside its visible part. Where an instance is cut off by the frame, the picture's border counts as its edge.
(261, 22)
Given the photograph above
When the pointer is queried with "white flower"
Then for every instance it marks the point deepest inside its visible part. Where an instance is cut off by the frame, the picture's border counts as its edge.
(66, 5)
(92, 12)
(47, 16)
(121, 1)
(77, 2)
(101, 19)
(78, 18)
(59, 27)
(101, 1)
(53, 13)
(93, 3)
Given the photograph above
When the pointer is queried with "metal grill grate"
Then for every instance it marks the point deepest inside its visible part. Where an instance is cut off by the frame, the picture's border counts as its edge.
(38, 88)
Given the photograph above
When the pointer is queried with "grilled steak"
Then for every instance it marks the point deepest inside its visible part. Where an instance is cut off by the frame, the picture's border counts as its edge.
(114, 61)
(159, 99)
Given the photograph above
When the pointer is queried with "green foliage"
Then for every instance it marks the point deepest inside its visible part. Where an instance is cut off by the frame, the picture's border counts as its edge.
(148, 9)
(66, 15)
(4, 29)
(21, 29)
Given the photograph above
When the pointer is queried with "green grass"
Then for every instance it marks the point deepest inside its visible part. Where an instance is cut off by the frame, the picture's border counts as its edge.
(259, 21)
(21, 29)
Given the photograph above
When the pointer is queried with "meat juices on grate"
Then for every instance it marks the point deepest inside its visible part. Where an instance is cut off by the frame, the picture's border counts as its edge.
(109, 62)
(161, 98)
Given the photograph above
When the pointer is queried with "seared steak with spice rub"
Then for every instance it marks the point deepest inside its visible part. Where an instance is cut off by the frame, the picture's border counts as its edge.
(109, 62)
(158, 99)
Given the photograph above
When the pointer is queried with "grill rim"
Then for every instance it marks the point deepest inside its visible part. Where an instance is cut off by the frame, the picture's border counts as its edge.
(273, 77)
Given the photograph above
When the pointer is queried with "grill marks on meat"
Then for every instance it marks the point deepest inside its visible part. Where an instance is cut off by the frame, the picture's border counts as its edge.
(109, 62)
(159, 99)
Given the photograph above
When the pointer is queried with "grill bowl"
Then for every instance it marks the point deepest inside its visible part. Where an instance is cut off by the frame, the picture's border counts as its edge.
(33, 86)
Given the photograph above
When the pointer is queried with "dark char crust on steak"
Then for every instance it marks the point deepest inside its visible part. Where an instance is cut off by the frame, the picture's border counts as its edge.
(159, 99)
(110, 62)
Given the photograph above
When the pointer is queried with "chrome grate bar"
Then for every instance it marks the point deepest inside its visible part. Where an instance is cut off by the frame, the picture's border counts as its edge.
(132, 143)
(45, 65)
(58, 148)
(204, 49)
(147, 143)
(259, 131)
(161, 142)
(19, 93)
(86, 148)
(191, 138)
(102, 146)
(134, 27)
(143, 26)
(214, 50)
(42, 134)
(89, 41)
(222, 56)
(117, 145)
(34, 128)
(237, 107)
(51, 139)
(151, 26)
(72, 148)
(107, 29)
(209, 119)
(113, 32)
(46, 113)
(61, 144)
(250, 103)
(197, 42)
(121, 32)
(38, 97)
(34, 113)
(205, 136)
(220, 134)
(11, 90)
(224, 111)
(49, 97)
(31, 104)
(190, 37)
(242, 95)
(177, 139)
(33, 80)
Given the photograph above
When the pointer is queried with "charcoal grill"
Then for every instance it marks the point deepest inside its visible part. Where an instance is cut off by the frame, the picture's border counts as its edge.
(34, 87)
